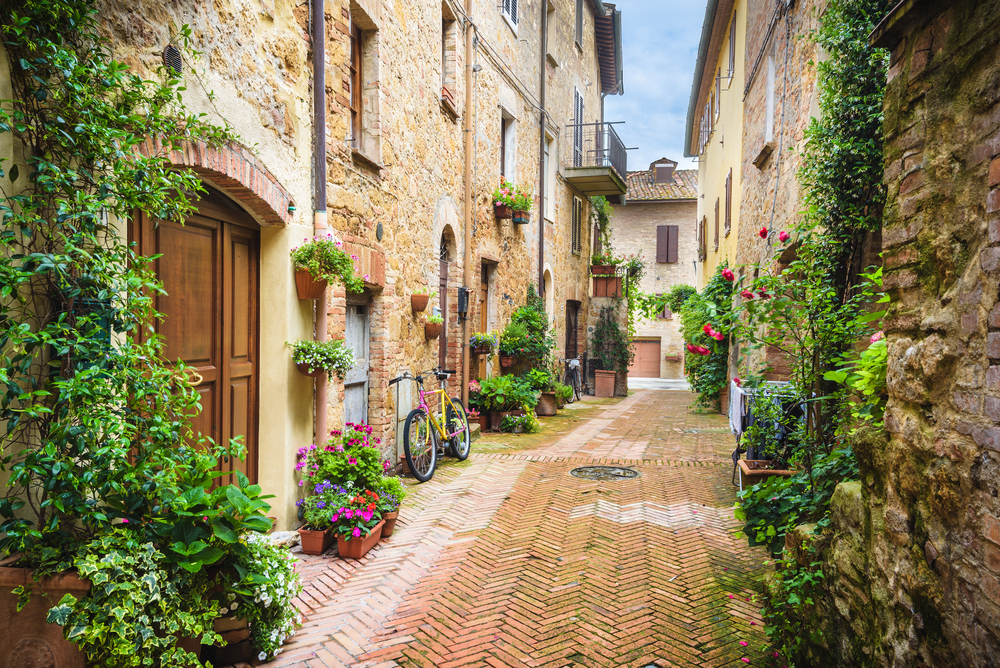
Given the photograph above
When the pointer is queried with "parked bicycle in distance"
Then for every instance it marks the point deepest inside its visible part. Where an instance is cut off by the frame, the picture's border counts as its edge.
(573, 377)
(428, 435)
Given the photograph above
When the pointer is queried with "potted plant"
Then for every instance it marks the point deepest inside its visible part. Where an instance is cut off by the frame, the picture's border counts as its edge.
(512, 342)
(522, 206)
(563, 394)
(320, 262)
(543, 382)
(318, 358)
(603, 264)
(528, 335)
(483, 344)
(503, 199)
(391, 494)
(316, 535)
(519, 424)
(477, 407)
(419, 299)
(433, 326)
(506, 395)
(358, 525)
(611, 345)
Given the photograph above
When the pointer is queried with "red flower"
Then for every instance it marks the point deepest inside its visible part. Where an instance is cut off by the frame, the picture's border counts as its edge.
(718, 336)
(763, 294)
(698, 350)
(784, 236)
(728, 274)
(747, 295)
(707, 329)
(739, 383)
(763, 233)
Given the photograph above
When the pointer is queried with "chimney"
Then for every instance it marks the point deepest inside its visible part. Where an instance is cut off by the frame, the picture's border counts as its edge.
(663, 170)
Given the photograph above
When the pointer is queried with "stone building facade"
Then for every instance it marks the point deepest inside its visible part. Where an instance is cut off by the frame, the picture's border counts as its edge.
(913, 571)
(396, 82)
(659, 224)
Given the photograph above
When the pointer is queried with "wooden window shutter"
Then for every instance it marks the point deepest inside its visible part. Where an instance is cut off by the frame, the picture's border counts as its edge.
(577, 232)
(598, 248)
(732, 47)
(667, 313)
(703, 239)
(661, 243)
(672, 234)
(716, 223)
(660, 314)
(729, 202)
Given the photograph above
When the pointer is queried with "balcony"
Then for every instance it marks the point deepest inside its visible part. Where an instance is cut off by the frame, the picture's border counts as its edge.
(594, 159)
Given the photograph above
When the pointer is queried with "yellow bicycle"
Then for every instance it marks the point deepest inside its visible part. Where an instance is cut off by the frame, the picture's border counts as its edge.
(426, 433)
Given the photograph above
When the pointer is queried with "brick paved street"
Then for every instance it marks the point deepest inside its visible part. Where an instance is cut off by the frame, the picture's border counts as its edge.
(507, 560)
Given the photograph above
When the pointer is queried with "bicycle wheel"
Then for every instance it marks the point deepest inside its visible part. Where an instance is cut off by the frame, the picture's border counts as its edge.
(419, 445)
(567, 379)
(461, 444)
(578, 384)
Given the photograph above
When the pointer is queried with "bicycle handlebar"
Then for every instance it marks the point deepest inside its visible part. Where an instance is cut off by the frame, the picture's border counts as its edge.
(420, 376)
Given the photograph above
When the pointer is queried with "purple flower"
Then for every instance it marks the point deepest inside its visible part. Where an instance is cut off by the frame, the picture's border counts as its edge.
(321, 504)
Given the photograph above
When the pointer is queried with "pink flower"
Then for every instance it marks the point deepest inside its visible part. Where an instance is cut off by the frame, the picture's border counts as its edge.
(698, 350)
(718, 336)
(730, 596)
(763, 233)
(784, 236)
(744, 643)
(205, 518)
(367, 516)
(728, 275)
(349, 514)
(352, 461)
(739, 383)
(878, 336)
(707, 329)
(124, 521)
(745, 660)
(747, 295)
(367, 277)
(356, 533)
(335, 517)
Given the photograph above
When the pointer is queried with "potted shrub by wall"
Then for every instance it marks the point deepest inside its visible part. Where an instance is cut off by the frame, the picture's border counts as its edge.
(507, 395)
(482, 344)
(513, 339)
(543, 382)
(611, 346)
(321, 261)
(318, 358)
(503, 200)
(419, 299)
(563, 394)
(603, 264)
(522, 206)
(433, 326)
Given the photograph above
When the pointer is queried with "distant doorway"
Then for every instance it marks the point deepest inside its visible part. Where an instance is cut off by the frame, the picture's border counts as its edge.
(572, 334)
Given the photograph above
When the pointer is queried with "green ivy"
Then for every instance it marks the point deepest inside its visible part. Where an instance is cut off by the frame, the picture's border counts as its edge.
(708, 374)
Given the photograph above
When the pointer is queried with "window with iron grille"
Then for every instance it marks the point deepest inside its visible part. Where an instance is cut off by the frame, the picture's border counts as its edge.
(509, 10)
(729, 202)
(577, 225)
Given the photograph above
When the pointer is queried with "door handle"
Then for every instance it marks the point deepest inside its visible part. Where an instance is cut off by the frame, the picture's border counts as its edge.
(190, 376)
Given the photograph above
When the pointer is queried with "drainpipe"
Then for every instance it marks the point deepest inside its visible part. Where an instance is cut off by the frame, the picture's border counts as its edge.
(469, 139)
(319, 172)
(541, 153)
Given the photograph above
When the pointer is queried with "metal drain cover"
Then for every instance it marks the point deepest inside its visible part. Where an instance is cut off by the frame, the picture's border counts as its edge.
(604, 473)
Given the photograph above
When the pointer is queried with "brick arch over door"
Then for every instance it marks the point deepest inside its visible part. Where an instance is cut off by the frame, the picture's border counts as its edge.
(234, 170)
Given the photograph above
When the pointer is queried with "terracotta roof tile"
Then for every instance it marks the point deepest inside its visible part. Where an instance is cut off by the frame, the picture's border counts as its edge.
(641, 186)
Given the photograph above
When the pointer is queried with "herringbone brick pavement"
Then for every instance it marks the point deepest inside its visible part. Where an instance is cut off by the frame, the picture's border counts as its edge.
(507, 560)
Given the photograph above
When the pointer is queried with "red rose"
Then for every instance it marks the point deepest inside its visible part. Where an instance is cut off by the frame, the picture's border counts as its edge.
(707, 329)
(739, 383)
(747, 295)
(763, 233)
(728, 274)
(718, 336)
(784, 236)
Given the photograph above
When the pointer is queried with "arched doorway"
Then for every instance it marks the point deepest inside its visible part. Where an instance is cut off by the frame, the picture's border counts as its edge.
(209, 267)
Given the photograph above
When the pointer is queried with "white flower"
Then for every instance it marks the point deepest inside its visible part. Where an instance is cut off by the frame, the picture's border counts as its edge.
(224, 611)
(235, 604)
(277, 651)
(262, 656)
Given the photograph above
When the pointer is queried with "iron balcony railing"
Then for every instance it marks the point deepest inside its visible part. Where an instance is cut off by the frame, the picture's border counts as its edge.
(594, 145)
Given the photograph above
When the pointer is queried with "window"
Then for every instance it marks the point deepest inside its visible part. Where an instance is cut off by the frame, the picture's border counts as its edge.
(718, 95)
(732, 48)
(716, 224)
(448, 54)
(362, 84)
(666, 243)
(550, 34)
(354, 68)
(509, 11)
(703, 239)
(508, 147)
(550, 177)
(578, 128)
(579, 23)
(577, 225)
(665, 314)
(729, 202)
(769, 111)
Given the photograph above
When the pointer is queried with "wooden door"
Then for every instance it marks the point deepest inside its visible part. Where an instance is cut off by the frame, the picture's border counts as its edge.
(443, 300)
(356, 380)
(209, 269)
(646, 363)
(572, 322)
(484, 312)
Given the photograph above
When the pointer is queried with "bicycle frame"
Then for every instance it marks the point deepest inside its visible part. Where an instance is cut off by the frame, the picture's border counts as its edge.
(445, 400)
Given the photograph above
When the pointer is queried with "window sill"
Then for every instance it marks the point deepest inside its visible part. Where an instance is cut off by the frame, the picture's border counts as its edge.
(365, 160)
(552, 60)
(448, 103)
(510, 24)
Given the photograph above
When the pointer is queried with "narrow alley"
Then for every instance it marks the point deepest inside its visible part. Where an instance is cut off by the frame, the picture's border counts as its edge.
(509, 560)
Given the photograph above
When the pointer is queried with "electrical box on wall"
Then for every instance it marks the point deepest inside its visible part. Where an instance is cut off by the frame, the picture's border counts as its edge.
(463, 300)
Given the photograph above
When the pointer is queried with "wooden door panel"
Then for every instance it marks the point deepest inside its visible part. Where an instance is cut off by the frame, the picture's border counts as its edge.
(646, 363)
(191, 304)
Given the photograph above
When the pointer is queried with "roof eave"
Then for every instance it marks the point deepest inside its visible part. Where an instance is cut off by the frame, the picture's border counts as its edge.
(699, 71)
(599, 8)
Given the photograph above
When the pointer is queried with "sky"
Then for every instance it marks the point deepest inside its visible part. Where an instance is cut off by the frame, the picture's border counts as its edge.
(660, 46)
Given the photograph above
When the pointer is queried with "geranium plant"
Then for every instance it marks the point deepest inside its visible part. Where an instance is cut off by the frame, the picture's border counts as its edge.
(522, 199)
(333, 356)
(326, 260)
(357, 517)
(505, 194)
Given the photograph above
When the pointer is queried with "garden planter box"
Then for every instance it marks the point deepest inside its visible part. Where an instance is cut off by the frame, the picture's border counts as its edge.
(390, 523)
(419, 302)
(603, 269)
(496, 417)
(522, 217)
(356, 548)
(307, 287)
(432, 330)
(607, 286)
(507, 360)
(752, 471)
(604, 383)
(306, 370)
(24, 636)
(315, 542)
(502, 212)
(477, 350)
(546, 406)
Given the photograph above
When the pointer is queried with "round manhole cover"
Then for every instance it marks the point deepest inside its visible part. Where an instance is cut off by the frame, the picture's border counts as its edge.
(603, 473)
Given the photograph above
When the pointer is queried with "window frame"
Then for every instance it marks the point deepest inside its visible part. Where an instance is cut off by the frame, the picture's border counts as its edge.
(579, 23)
(354, 73)
(577, 226)
(508, 10)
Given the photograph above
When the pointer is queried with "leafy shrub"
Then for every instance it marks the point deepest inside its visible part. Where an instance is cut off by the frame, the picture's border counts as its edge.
(350, 458)
(528, 334)
(610, 342)
(706, 361)
(540, 379)
(435, 319)
(326, 260)
(507, 393)
(526, 424)
(563, 393)
(678, 296)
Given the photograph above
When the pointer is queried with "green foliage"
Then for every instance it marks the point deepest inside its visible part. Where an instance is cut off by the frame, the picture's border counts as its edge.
(540, 379)
(520, 424)
(390, 486)
(137, 599)
(708, 374)
(789, 611)
(326, 260)
(600, 215)
(864, 375)
(651, 306)
(424, 291)
(528, 334)
(333, 356)
(610, 343)
(434, 319)
(678, 295)
(563, 393)
(507, 393)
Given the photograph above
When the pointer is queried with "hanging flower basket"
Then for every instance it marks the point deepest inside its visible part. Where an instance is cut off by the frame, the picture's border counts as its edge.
(522, 217)
(418, 302)
(432, 330)
(503, 212)
(480, 350)
(306, 369)
(355, 548)
(308, 287)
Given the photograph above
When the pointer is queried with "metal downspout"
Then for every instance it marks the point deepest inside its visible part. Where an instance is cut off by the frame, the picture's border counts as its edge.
(541, 153)
(319, 204)
(469, 145)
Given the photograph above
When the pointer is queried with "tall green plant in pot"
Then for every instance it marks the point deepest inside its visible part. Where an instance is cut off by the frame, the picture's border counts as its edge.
(610, 343)
(100, 460)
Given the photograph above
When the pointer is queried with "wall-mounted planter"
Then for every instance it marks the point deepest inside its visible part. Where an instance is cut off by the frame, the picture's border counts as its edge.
(502, 211)
(607, 286)
(307, 370)
(507, 360)
(671, 358)
(603, 269)
(753, 471)
(522, 217)
(476, 350)
(308, 287)
(432, 330)
(419, 302)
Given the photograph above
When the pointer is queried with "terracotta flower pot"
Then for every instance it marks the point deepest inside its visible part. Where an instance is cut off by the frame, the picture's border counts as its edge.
(522, 217)
(315, 542)
(419, 302)
(496, 417)
(484, 422)
(390, 523)
(507, 360)
(502, 211)
(305, 369)
(604, 383)
(307, 287)
(26, 638)
(355, 548)
(546, 406)
(603, 269)
(752, 471)
(432, 330)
